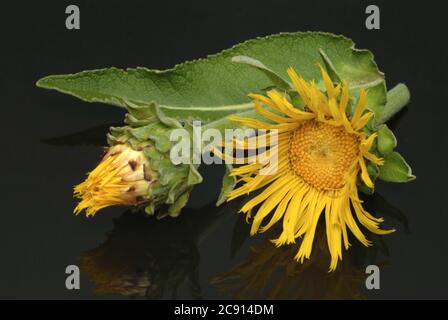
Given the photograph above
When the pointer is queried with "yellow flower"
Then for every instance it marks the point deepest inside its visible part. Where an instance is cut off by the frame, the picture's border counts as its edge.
(321, 152)
(121, 178)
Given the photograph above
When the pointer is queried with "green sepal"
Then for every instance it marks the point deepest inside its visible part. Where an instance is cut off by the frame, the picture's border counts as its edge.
(177, 188)
(228, 183)
(155, 132)
(149, 130)
(395, 169)
(139, 114)
(386, 141)
(373, 171)
(150, 209)
(194, 177)
(175, 209)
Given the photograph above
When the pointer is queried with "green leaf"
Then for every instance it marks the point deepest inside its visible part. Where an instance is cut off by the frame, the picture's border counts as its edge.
(395, 169)
(211, 88)
(386, 141)
(276, 79)
(331, 70)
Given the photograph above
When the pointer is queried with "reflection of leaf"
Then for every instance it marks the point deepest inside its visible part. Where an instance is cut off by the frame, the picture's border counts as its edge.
(95, 136)
(211, 88)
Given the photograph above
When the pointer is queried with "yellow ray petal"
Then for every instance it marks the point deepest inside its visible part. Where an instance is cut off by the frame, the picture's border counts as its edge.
(277, 184)
(359, 109)
(332, 93)
(281, 208)
(270, 203)
(361, 123)
(270, 115)
(364, 173)
(365, 219)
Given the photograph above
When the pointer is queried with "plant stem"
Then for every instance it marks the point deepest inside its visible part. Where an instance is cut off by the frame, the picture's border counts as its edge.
(397, 98)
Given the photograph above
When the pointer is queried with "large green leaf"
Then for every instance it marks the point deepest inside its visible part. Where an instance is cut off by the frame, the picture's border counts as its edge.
(208, 89)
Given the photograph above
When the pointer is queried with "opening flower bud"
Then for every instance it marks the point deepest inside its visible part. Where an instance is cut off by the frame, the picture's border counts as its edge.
(121, 178)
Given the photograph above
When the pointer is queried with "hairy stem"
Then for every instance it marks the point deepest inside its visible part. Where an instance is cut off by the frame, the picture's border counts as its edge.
(397, 98)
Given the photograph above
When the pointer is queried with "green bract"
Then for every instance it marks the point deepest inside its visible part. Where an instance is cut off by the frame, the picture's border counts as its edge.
(149, 132)
(213, 88)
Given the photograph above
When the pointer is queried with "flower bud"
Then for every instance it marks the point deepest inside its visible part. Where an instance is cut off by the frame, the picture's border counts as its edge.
(123, 177)
(137, 170)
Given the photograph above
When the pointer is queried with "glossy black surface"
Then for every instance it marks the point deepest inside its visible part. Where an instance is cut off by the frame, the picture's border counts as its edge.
(206, 252)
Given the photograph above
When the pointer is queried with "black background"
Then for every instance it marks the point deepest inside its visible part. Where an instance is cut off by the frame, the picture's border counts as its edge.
(39, 235)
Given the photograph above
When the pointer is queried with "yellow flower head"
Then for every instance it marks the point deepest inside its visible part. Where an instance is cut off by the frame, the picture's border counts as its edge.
(121, 178)
(321, 152)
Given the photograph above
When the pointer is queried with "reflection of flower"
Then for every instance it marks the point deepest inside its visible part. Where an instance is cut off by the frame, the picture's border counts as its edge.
(144, 257)
(271, 273)
(122, 178)
(321, 151)
(139, 259)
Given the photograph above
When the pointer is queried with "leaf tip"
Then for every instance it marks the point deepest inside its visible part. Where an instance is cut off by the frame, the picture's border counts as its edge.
(41, 82)
(46, 82)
